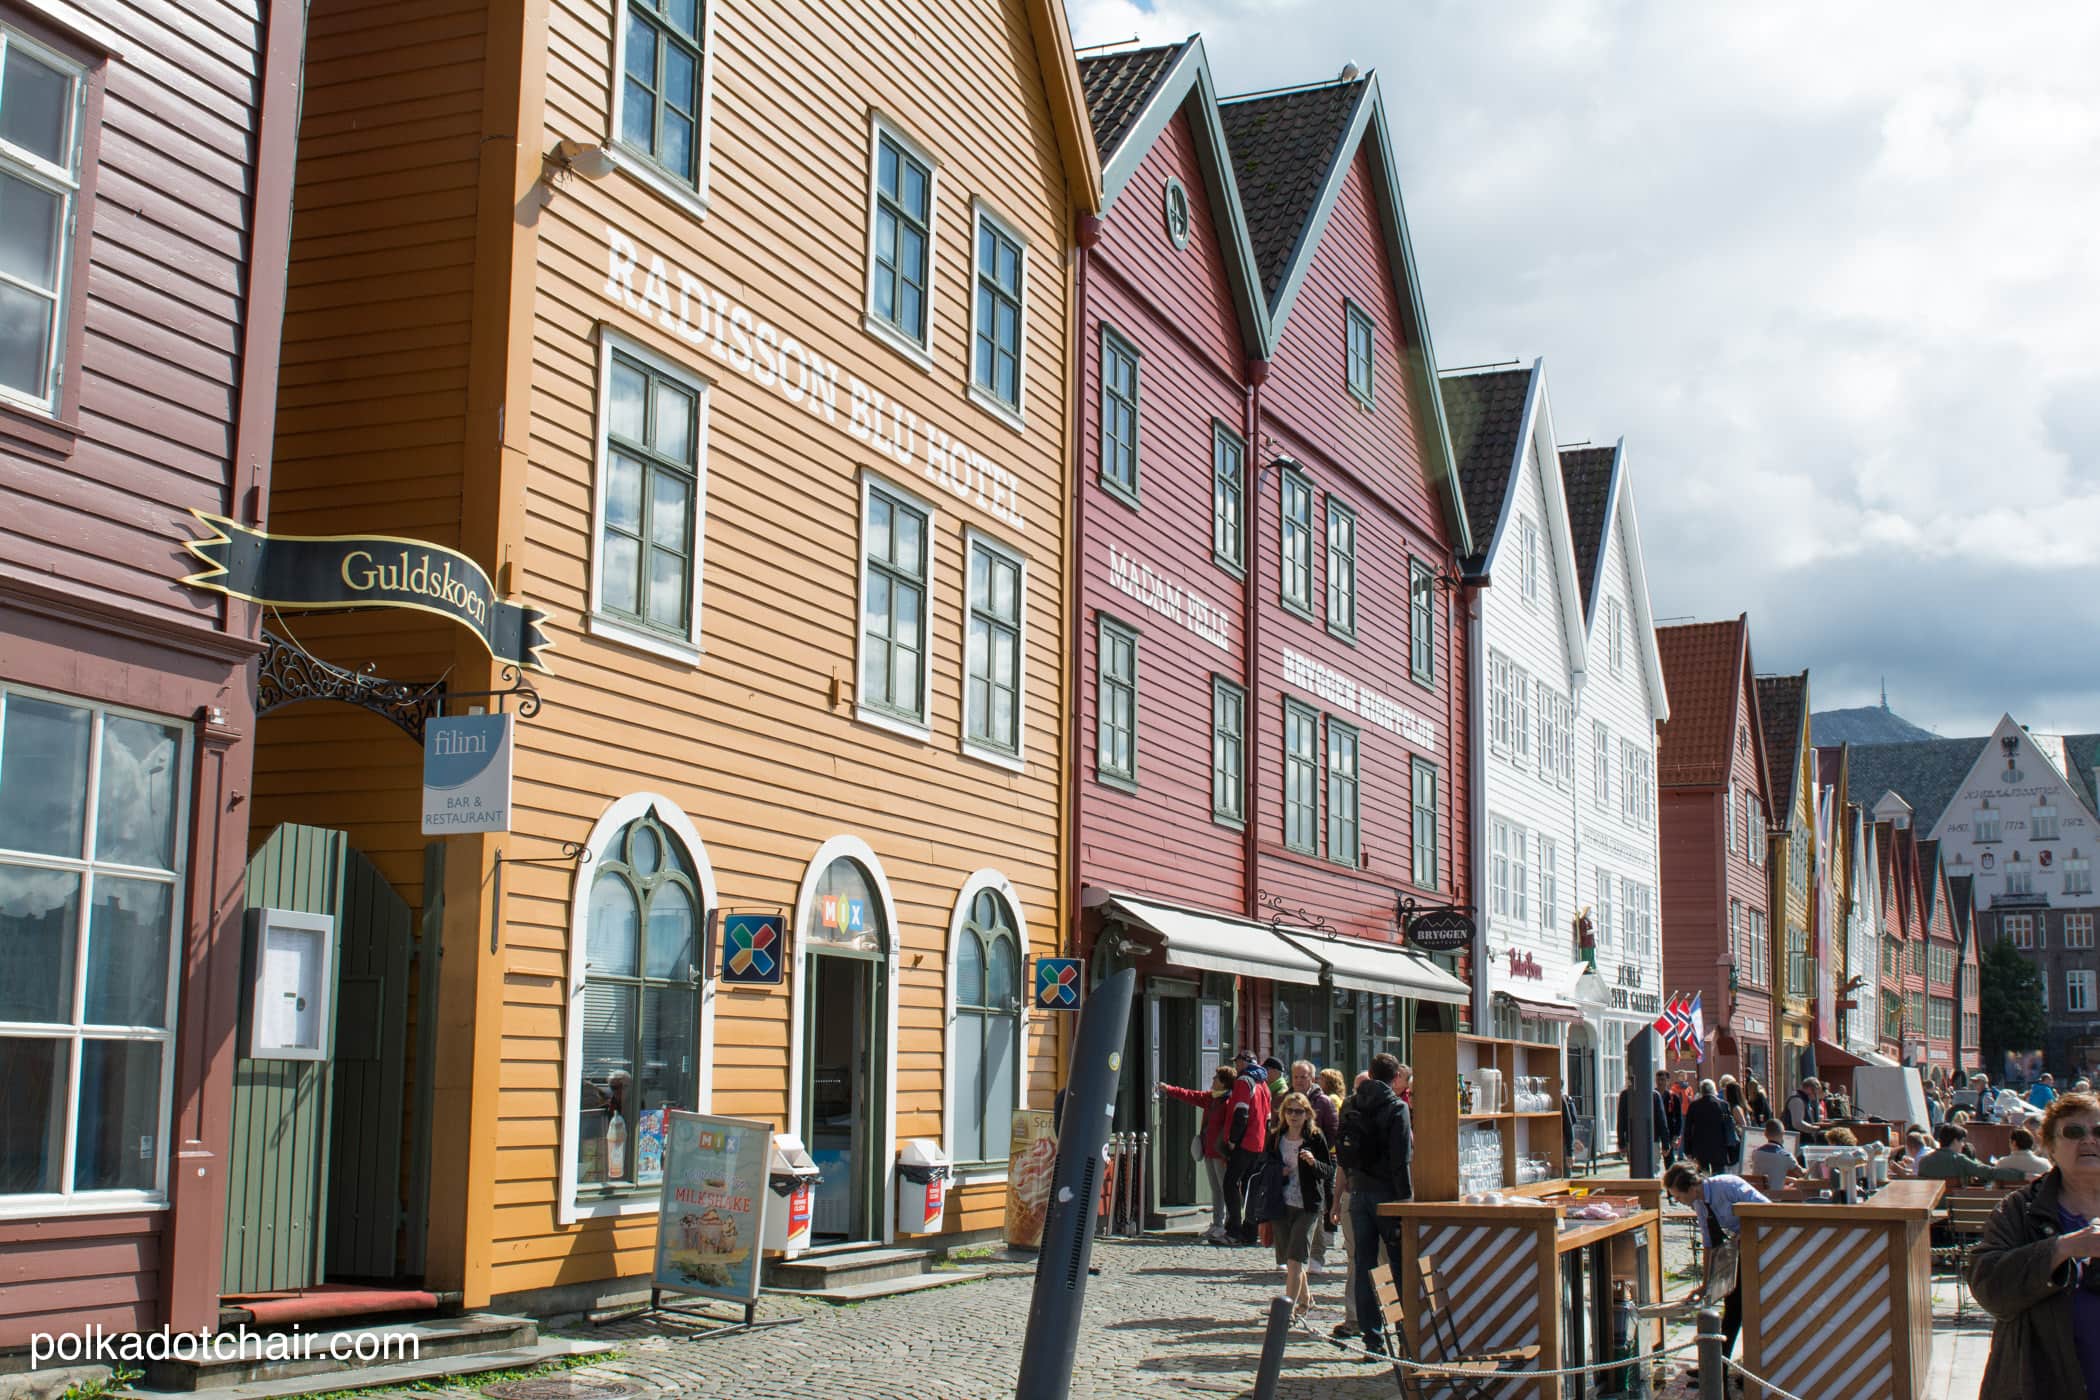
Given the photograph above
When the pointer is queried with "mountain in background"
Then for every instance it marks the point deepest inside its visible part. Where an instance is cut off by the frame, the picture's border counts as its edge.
(1866, 725)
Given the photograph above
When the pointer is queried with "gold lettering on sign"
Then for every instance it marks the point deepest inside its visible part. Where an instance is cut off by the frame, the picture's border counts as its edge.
(364, 573)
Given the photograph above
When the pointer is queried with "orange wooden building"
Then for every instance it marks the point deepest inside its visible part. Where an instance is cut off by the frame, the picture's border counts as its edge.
(733, 337)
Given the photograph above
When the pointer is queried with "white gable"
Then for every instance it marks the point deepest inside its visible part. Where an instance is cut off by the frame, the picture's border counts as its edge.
(2018, 826)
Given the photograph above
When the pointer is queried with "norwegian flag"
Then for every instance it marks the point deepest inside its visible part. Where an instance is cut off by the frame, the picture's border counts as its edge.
(1674, 1025)
(1695, 1027)
(1666, 1024)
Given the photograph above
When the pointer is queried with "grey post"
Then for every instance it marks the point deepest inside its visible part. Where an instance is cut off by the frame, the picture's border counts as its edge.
(1271, 1372)
(1643, 1155)
(1712, 1386)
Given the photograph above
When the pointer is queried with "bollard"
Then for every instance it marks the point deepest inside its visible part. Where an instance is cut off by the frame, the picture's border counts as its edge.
(1272, 1340)
(1712, 1373)
(1137, 1214)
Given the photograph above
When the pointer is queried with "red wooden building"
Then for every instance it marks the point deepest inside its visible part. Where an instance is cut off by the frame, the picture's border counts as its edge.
(1942, 953)
(1893, 947)
(147, 151)
(1271, 659)
(1716, 801)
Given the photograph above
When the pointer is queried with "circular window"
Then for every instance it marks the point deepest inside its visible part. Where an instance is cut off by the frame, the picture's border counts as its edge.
(1177, 212)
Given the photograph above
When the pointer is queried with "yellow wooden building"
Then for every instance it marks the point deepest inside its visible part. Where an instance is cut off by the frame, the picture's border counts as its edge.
(1783, 708)
(734, 338)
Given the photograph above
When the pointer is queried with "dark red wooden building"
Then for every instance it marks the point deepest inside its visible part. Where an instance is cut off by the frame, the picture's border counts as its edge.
(1271, 649)
(147, 155)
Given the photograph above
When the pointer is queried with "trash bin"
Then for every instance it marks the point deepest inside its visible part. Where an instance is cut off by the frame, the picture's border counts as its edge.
(792, 1177)
(922, 1182)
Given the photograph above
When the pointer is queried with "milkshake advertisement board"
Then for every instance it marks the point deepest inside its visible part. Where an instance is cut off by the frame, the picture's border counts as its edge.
(1032, 1153)
(712, 1218)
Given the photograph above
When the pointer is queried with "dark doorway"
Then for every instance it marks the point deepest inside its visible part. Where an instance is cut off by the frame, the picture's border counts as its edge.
(842, 1096)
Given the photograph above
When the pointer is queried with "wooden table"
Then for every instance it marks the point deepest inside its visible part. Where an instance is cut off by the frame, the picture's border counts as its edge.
(1513, 1276)
(1837, 1299)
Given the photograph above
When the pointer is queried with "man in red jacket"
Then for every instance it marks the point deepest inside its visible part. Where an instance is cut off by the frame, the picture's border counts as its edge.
(1246, 1134)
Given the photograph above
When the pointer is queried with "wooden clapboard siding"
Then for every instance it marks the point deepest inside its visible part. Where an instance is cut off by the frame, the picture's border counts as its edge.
(750, 744)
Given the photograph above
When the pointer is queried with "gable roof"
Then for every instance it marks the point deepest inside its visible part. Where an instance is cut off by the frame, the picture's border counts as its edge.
(2081, 757)
(1703, 664)
(1926, 774)
(1929, 879)
(1781, 704)
(1961, 902)
(1487, 413)
(1284, 146)
(1117, 87)
(1587, 475)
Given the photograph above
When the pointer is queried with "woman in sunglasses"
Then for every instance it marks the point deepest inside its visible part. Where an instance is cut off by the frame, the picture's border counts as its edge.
(2035, 1270)
(1301, 1183)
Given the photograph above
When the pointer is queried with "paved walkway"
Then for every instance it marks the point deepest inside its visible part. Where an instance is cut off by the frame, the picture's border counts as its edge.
(1167, 1317)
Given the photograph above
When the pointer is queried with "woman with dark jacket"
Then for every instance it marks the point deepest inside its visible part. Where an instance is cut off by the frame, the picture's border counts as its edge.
(1215, 1149)
(1760, 1107)
(1300, 1173)
(1709, 1132)
(2035, 1271)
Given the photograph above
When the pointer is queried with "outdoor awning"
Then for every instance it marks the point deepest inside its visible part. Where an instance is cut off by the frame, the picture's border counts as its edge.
(1834, 1056)
(1360, 965)
(1217, 942)
(1541, 1010)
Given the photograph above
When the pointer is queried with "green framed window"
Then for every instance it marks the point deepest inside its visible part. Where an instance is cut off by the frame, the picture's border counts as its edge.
(1119, 415)
(1424, 811)
(894, 566)
(1116, 704)
(1362, 352)
(902, 241)
(1341, 569)
(1301, 778)
(663, 67)
(649, 515)
(1001, 268)
(1295, 527)
(987, 1032)
(992, 650)
(1228, 498)
(1421, 621)
(1228, 749)
(1344, 793)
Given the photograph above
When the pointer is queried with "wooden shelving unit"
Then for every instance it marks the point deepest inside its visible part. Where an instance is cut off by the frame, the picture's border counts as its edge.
(1440, 1059)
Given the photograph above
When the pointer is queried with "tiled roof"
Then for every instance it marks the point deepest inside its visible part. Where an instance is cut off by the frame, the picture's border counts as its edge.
(1779, 704)
(1485, 413)
(1118, 85)
(1830, 761)
(1586, 472)
(1961, 902)
(1283, 148)
(1926, 774)
(1700, 662)
(2082, 756)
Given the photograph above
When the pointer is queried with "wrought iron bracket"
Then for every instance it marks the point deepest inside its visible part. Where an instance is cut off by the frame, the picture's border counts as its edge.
(572, 853)
(515, 685)
(1409, 909)
(292, 675)
(1282, 912)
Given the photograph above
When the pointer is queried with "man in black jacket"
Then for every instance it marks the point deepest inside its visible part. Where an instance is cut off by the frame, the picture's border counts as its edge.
(1378, 1147)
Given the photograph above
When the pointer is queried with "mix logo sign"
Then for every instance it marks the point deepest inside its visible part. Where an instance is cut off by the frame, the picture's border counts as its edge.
(846, 915)
(751, 949)
(1057, 984)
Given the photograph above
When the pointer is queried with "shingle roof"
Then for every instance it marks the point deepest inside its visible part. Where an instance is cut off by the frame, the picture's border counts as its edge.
(1283, 148)
(1926, 774)
(1485, 413)
(1779, 705)
(2082, 756)
(1586, 472)
(1700, 665)
(1961, 902)
(1830, 760)
(1117, 87)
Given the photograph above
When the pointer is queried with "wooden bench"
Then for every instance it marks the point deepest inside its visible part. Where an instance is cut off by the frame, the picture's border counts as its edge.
(1969, 1210)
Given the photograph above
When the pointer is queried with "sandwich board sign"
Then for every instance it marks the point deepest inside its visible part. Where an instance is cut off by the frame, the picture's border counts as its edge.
(711, 1216)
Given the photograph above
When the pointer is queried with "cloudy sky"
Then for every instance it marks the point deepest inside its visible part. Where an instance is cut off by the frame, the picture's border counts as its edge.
(1833, 271)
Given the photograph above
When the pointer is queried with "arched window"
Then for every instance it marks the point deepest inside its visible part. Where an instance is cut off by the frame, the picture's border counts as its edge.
(987, 1030)
(640, 1007)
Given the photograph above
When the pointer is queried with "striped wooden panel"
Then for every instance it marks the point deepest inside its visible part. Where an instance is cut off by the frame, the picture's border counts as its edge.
(1824, 1292)
(1488, 1279)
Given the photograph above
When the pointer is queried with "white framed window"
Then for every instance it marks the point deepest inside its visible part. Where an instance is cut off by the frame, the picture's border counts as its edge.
(1341, 568)
(2078, 990)
(1528, 538)
(1735, 934)
(903, 191)
(1362, 353)
(2078, 873)
(1301, 777)
(1502, 703)
(1549, 883)
(2019, 876)
(2020, 929)
(1990, 822)
(1600, 746)
(1637, 783)
(663, 105)
(1228, 751)
(1424, 833)
(1638, 905)
(1760, 948)
(92, 852)
(999, 317)
(1615, 618)
(1295, 526)
(896, 582)
(2042, 823)
(42, 117)
(1510, 871)
(987, 950)
(1556, 715)
(1116, 704)
(995, 640)
(1228, 495)
(1119, 416)
(2078, 930)
(1421, 622)
(1607, 919)
(1728, 819)
(647, 565)
(1756, 835)
(1344, 793)
(1940, 1016)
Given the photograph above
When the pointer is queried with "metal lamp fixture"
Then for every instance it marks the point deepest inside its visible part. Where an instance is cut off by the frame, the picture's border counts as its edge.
(591, 161)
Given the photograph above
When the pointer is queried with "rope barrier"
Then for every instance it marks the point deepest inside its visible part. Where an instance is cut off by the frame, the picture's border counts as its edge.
(1751, 1378)
(1431, 1368)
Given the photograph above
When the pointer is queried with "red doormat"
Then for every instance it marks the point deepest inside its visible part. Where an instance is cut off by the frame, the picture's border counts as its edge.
(331, 1300)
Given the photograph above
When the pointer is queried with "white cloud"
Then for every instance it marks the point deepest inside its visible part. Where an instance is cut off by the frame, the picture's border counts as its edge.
(1830, 269)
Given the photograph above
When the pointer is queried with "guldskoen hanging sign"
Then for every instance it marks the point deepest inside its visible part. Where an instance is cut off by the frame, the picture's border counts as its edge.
(330, 573)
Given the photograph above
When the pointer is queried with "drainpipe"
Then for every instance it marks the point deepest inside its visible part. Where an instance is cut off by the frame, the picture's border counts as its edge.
(1476, 784)
(1085, 234)
(1250, 632)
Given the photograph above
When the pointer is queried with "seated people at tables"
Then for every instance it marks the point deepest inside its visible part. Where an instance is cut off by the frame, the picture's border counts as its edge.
(1771, 1163)
(1836, 1137)
(1903, 1157)
(1950, 1163)
(2023, 1157)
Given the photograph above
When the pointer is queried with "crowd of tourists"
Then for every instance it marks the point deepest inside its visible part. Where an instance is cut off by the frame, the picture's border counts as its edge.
(1302, 1156)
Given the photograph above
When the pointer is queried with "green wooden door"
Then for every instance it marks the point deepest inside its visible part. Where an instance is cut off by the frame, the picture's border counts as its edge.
(314, 1179)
